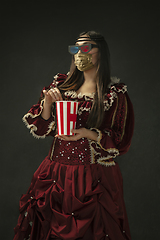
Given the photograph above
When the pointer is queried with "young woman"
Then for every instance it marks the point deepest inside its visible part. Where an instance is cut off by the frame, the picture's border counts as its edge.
(77, 191)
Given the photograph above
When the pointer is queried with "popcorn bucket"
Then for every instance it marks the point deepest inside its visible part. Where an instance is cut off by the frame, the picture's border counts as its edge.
(66, 112)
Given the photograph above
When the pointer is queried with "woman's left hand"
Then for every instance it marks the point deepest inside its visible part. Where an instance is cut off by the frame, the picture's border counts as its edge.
(79, 133)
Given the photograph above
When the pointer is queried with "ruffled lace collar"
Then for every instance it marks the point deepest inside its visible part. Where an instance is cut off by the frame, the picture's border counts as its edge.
(87, 96)
(74, 94)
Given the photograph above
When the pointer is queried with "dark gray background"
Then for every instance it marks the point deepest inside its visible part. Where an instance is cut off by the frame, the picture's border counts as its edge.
(35, 36)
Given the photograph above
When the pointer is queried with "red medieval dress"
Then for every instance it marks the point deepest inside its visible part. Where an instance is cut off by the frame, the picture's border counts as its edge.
(77, 191)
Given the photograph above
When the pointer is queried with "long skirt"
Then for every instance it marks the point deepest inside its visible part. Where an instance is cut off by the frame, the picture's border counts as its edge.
(73, 202)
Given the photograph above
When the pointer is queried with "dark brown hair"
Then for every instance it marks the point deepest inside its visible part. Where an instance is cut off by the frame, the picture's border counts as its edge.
(75, 79)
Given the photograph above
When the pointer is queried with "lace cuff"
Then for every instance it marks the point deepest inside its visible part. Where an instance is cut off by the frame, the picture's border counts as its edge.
(39, 127)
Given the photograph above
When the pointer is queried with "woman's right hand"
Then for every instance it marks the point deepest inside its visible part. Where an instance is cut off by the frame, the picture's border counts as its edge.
(52, 96)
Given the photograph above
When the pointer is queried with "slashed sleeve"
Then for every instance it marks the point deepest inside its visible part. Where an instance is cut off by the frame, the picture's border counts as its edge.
(39, 127)
(114, 137)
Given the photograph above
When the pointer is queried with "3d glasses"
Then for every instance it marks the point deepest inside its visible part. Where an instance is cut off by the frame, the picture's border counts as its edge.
(86, 48)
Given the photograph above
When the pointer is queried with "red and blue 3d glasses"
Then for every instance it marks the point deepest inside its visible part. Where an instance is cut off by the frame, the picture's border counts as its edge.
(85, 48)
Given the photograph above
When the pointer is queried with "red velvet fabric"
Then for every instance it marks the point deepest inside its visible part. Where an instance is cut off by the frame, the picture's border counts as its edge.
(65, 200)
(77, 191)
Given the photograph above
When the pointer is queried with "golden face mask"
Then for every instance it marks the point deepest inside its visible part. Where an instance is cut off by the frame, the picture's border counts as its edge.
(83, 61)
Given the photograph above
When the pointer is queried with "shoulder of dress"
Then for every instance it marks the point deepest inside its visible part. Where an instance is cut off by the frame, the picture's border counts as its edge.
(58, 79)
(117, 86)
(115, 89)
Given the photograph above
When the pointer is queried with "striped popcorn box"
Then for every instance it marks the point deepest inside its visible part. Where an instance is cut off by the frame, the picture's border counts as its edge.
(66, 112)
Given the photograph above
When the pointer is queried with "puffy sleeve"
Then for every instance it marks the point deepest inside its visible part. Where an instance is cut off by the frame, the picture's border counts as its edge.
(114, 137)
(39, 127)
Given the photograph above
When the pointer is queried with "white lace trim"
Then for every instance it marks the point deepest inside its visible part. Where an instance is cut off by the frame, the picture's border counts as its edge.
(55, 83)
(56, 76)
(89, 96)
(74, 94)
(103, 161)
(123, 89)
(112, 152)
(98, 142)
(81, 109)
(109, 102)
(92, 152)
